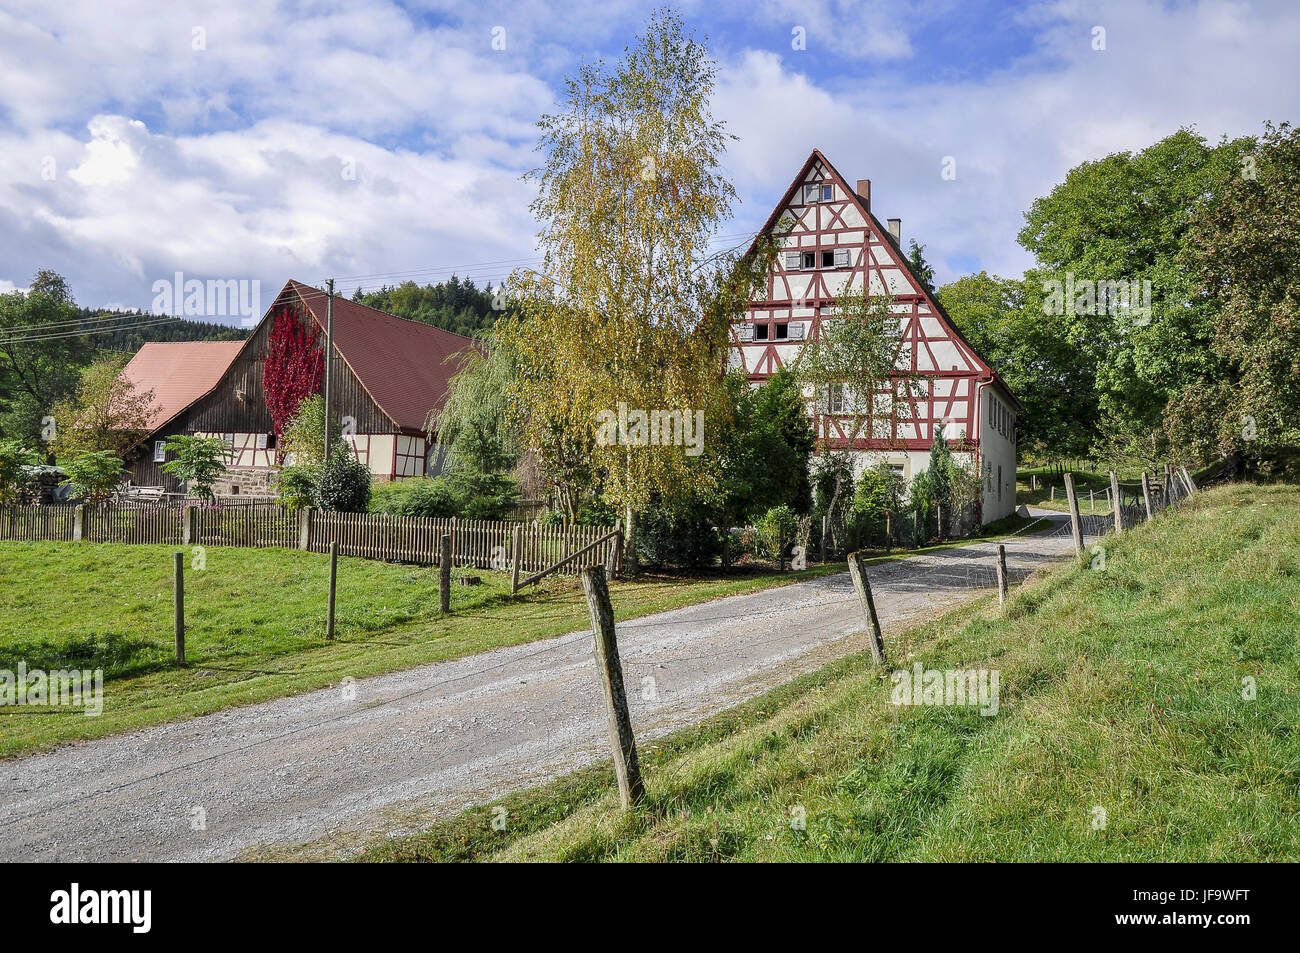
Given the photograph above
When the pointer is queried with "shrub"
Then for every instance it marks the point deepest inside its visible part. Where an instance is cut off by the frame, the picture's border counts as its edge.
(776, 531)
(431, 497)
(198, 463)
(343, 484)
(94, 474)
(296, 487)
(671, 539)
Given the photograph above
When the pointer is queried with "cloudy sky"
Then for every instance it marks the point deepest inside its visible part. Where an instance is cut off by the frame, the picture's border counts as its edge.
(375, 140)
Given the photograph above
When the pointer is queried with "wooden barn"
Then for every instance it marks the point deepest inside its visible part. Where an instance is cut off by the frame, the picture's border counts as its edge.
(387, 374)
(835, 239)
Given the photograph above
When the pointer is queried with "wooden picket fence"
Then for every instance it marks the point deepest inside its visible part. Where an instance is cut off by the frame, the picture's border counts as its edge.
(483, 544)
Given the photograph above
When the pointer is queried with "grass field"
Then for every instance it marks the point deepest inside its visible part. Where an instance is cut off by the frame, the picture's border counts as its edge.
(1125, 690)
(256, 620)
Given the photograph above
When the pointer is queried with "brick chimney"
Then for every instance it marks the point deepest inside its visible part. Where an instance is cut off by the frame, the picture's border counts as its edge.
(896, 231)
(864, 192)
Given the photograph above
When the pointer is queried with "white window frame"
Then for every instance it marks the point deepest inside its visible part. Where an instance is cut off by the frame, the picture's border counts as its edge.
(160, 451)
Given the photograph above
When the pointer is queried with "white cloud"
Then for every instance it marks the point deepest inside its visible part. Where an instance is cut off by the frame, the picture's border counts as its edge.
(126, 155)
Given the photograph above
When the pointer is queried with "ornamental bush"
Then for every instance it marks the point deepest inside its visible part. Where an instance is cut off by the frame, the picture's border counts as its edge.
(343, 484)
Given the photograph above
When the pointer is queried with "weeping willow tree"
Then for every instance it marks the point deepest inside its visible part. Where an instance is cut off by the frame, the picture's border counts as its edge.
(628, 312)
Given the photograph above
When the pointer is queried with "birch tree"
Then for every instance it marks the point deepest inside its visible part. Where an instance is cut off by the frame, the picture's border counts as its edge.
(629, 309)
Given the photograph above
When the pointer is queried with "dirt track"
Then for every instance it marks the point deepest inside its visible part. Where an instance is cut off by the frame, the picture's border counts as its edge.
(331, 769)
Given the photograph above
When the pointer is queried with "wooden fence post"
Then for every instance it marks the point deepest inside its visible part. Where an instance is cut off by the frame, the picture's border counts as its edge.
(1075, 520)
(516, 545)
(189, 531)
(1092, 500)
(1002, 574)
(1146, 493)
(858, 570)
(334, 578)
(1116, 507)
(178, 604)
(1053, 490)
(444, 576)
(605, 644)
(1187, 478)
(79, 522)
(611, 558)
(304, 527)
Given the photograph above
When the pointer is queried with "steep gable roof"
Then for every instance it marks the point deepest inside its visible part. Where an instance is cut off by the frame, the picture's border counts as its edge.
(902, 261)
(404, 365)
(178, 373)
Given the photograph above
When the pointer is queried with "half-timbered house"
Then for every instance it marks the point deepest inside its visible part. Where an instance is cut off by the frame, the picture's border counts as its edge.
(388, 373)
(829, 239)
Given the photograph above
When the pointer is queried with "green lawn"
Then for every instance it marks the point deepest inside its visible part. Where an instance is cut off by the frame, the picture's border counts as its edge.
(1121, 690)
(255, 625)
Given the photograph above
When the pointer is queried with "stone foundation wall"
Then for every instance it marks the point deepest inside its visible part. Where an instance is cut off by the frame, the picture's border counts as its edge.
(244, 482)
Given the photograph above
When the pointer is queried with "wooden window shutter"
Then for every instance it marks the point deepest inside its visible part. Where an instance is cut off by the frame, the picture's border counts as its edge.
(745, 332)
(793, 260)
(796, 330)
(841, 258)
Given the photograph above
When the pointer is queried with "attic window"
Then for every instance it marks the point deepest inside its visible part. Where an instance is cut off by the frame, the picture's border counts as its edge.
(782, 332)
(810, 259)
(159, 451)
(817, 192)
(760, 332)
(828, 259)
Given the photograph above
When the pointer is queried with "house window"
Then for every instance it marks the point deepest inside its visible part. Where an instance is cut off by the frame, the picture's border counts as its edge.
(835, 399)
(760, 332)
(816, 192)
(782, 332)
(159, 451)
(828, 259)
(810, 259)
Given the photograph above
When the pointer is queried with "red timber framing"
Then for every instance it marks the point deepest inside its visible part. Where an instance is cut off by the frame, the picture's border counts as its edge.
(833, 231)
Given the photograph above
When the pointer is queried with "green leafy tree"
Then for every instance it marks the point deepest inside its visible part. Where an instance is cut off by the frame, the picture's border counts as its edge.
(1054, 378)
(1125, 218)
(1243, 252)
(15, 457)
(631, 304)
(107, 411)
(93, 474)
(198, 462)
(857, 367)
(39, 364)
(303, 436)
(766, 446)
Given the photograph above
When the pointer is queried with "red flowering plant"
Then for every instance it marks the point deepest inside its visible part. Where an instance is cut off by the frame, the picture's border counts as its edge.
(295, 365)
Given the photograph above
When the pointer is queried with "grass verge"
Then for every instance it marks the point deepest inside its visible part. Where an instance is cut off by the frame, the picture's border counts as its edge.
(1147, 712)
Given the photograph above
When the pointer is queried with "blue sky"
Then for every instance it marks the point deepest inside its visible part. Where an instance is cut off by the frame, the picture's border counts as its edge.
(141, 139)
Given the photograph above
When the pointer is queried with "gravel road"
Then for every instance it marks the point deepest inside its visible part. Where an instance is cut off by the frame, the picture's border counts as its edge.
(388, 753)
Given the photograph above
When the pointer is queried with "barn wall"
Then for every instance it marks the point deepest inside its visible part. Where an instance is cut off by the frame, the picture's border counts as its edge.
(225, 411)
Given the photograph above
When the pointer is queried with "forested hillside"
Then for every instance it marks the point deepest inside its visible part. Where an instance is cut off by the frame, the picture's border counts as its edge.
(453, 305)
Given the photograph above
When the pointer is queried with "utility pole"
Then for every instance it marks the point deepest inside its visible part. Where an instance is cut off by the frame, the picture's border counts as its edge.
(329, 359)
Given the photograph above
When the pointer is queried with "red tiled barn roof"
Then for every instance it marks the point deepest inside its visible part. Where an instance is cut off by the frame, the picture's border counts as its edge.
(402, 364)
(178, 373)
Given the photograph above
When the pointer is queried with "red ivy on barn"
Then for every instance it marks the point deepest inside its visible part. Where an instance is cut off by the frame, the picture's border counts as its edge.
(295, 364)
